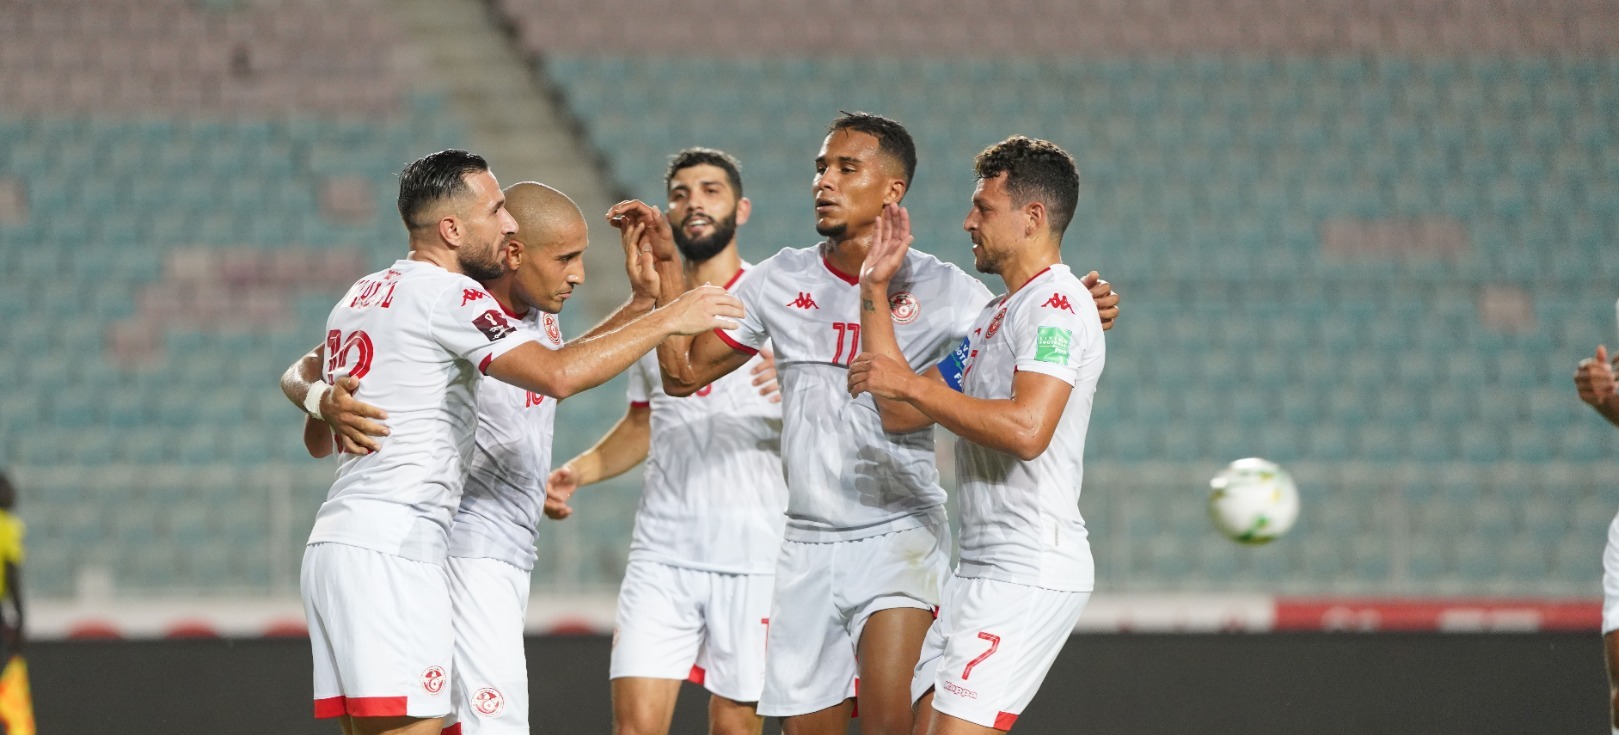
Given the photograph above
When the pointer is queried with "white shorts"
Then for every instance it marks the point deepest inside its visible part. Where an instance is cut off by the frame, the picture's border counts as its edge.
(991, 647)
(825, 592)
(379, 627)
(1610, 579)
(490, 683)
(706, 627)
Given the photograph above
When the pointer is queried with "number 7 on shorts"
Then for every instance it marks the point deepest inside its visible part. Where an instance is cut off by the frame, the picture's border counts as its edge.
(994, 643)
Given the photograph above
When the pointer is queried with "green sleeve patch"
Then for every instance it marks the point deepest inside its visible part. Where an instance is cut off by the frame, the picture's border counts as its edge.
(1051, 345)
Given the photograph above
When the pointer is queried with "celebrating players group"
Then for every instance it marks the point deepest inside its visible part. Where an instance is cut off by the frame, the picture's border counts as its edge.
(791, 549)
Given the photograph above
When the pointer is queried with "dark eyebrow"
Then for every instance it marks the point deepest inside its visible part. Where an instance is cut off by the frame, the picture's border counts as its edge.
(848, 159)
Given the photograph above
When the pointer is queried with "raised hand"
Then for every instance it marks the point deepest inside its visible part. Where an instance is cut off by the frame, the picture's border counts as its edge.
(559, 487)
(879, 375)
(1107, 300)
(639, 263)
(704, 308)
(1594, 379)
(352, 420)
(888, 246)
(764, 376)
(658, 235)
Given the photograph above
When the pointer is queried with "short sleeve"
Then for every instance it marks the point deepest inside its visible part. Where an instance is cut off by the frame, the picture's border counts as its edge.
(750, 333)
(967, 308)
(641, 375)
(1055, 328)
(470, 324)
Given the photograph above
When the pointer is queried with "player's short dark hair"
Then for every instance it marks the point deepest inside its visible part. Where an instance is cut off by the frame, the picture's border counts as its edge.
(1035, 170)
(893, 140)
(434, 178)
(698, 156)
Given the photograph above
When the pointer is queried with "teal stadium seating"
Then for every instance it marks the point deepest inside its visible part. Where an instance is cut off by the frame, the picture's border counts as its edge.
(1373, 256)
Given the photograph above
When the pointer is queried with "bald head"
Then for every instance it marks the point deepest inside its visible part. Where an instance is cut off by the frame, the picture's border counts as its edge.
(543, 214)
(545, 257)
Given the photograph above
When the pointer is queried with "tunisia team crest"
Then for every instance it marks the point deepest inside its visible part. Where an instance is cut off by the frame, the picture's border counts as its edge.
(433, 680)
(904, 307)
(488, 701)
(551, 329)
(994, 324)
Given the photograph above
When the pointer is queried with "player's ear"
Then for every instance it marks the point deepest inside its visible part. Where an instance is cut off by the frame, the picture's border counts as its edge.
(744, 208)
(896, 191)
(1034, 214)
(512, 253)
(449, 228)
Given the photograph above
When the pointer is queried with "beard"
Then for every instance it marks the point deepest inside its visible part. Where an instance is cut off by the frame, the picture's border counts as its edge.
(986, 262)
(834, 231)
(480, 266)
(699, 249)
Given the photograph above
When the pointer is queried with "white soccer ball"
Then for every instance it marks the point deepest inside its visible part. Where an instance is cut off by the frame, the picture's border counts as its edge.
(1253, 501)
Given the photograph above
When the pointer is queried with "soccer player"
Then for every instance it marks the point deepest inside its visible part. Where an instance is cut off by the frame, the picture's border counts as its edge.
(375, 583)
(1595, 383)
(695, 601)
(866, 542)
(1017, 392)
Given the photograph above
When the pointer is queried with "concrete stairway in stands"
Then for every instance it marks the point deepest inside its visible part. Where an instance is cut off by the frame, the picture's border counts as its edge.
(513, 121)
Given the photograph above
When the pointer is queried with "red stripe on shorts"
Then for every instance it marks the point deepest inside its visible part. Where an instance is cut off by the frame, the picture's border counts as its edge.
(376, 706)
(697, 675)
(329, 707)
(1004, 720)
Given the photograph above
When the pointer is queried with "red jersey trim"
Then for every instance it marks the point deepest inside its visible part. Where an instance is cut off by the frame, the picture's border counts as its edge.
(851, 280)
(697, 675)
(734, 278)
(483, 366)
(1004, 720)
(1020, 288)
(640, 404)
(735, 345)
(509, 312)
(451, 730)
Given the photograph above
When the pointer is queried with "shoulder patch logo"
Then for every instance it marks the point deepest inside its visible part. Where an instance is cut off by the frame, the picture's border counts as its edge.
(904, 307)
(804, 301)
(551, 329)
(493, 325)
(1051, 345)
(1059, 301)
(469, 295)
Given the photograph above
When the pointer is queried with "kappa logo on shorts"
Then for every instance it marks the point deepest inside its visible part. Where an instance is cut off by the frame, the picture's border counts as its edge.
(960, 691)
(488, 701)
(433, 680)
(904, 307)
(493, 325)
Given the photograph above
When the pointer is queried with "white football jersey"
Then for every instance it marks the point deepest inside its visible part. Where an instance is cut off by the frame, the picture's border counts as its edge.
(500, 511)
(1020, 520)
(418, 337)
(849, 479)
(715, 499)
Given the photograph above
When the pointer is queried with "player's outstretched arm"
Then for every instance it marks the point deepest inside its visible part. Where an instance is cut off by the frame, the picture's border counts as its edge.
(353, 423)
(883, 260)
(687, 362)
(1021, 426)
(618, 451)
(587, 363)
(1594, 381)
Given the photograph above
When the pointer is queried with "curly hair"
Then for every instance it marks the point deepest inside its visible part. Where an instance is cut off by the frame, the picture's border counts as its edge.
(706, 156)
(1035, 170)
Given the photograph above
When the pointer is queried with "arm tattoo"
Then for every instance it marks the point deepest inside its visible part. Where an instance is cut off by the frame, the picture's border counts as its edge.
(867, 305)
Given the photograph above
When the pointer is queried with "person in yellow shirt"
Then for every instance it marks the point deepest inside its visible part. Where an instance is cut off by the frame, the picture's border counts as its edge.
(11, 556)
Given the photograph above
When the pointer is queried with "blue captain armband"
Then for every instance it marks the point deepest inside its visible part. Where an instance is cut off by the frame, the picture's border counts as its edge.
(955, 364)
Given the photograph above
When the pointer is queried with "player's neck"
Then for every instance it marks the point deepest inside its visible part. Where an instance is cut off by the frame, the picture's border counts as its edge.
(848, 251)
(501, 288)
(434, 253)
(1020, 271)
(716, 270)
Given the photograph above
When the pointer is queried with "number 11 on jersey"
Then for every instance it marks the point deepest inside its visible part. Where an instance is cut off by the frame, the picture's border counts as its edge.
(847, 331)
